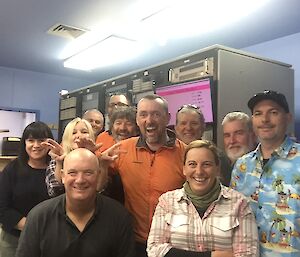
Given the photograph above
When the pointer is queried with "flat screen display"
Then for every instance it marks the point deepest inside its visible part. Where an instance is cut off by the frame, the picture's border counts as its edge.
(196, 92)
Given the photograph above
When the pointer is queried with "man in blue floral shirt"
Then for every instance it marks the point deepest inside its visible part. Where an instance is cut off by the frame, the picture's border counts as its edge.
(270, 176)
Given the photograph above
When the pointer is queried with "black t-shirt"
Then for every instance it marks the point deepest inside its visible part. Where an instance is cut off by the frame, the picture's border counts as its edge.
(49, 232)
(21, 188)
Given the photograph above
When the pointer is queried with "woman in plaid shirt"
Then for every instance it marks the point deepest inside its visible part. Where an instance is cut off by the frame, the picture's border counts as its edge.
(204, 218)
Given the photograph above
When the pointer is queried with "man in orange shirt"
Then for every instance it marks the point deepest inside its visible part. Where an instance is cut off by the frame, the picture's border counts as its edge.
(106, 138)
(122, 126)
(149, 165)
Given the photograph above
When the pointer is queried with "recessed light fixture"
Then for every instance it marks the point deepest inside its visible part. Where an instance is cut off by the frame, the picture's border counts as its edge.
(111, 50)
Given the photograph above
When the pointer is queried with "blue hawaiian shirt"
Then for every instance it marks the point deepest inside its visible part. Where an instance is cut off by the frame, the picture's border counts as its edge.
(274, 191)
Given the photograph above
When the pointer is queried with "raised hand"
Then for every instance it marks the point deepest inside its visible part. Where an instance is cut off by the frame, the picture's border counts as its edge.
(88, 144)
(112, 153)
(56, 151)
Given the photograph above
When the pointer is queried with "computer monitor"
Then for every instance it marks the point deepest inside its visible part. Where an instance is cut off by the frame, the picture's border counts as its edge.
(196, 92)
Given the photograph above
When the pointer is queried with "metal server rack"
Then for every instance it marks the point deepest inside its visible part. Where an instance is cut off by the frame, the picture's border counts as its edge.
(236, 76)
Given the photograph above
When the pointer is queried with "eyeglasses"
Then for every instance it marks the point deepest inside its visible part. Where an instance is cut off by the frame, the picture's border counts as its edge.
(117, 104)
(188, 106)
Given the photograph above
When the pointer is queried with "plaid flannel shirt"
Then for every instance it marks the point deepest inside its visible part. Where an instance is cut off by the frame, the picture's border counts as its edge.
(227, 225)
(54, 187)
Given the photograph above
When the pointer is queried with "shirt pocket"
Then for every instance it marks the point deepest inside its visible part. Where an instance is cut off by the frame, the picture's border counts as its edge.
(177, 222)
(224, 226)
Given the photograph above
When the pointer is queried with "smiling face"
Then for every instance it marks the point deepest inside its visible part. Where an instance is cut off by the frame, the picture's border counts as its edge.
(35, 151)
(152, 119)
(201, 170)
(238, 139)
(96, 120)
(80, 175)
(80, 131)
(123, 129)
(270, 122)
(189, 126)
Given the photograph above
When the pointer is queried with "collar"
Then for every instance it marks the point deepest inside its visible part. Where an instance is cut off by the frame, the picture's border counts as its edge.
(180, 194)
(62, 203)
(108, 132)
(282, 151)
(141, 143)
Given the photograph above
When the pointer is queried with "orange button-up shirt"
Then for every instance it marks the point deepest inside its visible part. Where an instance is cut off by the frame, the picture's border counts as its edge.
(146, 175)
(107, 141)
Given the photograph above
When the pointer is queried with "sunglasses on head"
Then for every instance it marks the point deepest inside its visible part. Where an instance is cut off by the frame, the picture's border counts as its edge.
(188, 106)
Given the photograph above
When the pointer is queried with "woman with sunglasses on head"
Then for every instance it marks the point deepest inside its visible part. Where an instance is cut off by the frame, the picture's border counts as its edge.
(22, 185)
(204, 218)
(78, 133)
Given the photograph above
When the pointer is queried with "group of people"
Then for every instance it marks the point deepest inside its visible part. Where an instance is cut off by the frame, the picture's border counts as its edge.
(173, 185)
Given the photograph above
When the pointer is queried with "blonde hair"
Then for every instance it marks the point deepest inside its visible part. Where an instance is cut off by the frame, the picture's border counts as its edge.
(203, 144)
(68, 132)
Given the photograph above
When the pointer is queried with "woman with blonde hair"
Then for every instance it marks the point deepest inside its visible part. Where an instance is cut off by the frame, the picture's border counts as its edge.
(77, 134)
(204, 218)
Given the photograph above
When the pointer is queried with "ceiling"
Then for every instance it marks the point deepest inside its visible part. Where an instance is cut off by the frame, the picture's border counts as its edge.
(24, 43)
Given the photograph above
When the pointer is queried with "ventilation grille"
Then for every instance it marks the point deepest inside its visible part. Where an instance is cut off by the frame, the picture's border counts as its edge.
(65, 31)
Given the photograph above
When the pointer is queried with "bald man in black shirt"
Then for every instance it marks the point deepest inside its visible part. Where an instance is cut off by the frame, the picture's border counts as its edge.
(80, 222)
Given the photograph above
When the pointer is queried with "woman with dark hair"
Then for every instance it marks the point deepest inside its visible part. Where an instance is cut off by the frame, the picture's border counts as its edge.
(22, 185)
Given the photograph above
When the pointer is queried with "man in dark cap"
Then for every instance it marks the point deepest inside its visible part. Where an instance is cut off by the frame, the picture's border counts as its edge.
(270, 176)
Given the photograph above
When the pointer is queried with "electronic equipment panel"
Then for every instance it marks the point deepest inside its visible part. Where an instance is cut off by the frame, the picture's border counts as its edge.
(68, 108)
(90, 101)
(194, 70)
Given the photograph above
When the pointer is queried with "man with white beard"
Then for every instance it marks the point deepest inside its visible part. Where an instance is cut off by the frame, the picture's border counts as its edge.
(238, 135)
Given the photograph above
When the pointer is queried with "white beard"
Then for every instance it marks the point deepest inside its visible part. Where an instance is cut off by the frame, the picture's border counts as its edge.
(233, 155)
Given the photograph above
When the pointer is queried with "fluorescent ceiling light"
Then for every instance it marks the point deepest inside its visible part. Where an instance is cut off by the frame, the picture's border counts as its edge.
(190, 18)
(152, 23)
(109, 51)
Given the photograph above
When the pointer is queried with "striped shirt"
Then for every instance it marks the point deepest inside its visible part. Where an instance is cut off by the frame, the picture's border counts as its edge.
(227, 225)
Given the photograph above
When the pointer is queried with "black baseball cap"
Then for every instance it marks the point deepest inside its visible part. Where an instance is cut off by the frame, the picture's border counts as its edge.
(269, 95)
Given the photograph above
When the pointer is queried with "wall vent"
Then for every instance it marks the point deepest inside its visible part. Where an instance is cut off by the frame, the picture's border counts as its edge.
(66, 31)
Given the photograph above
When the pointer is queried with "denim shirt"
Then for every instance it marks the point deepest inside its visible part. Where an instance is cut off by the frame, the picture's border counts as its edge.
(274, 191)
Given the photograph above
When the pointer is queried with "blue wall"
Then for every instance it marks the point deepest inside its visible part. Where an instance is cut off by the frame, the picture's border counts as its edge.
(285, 49)
(34, 90)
